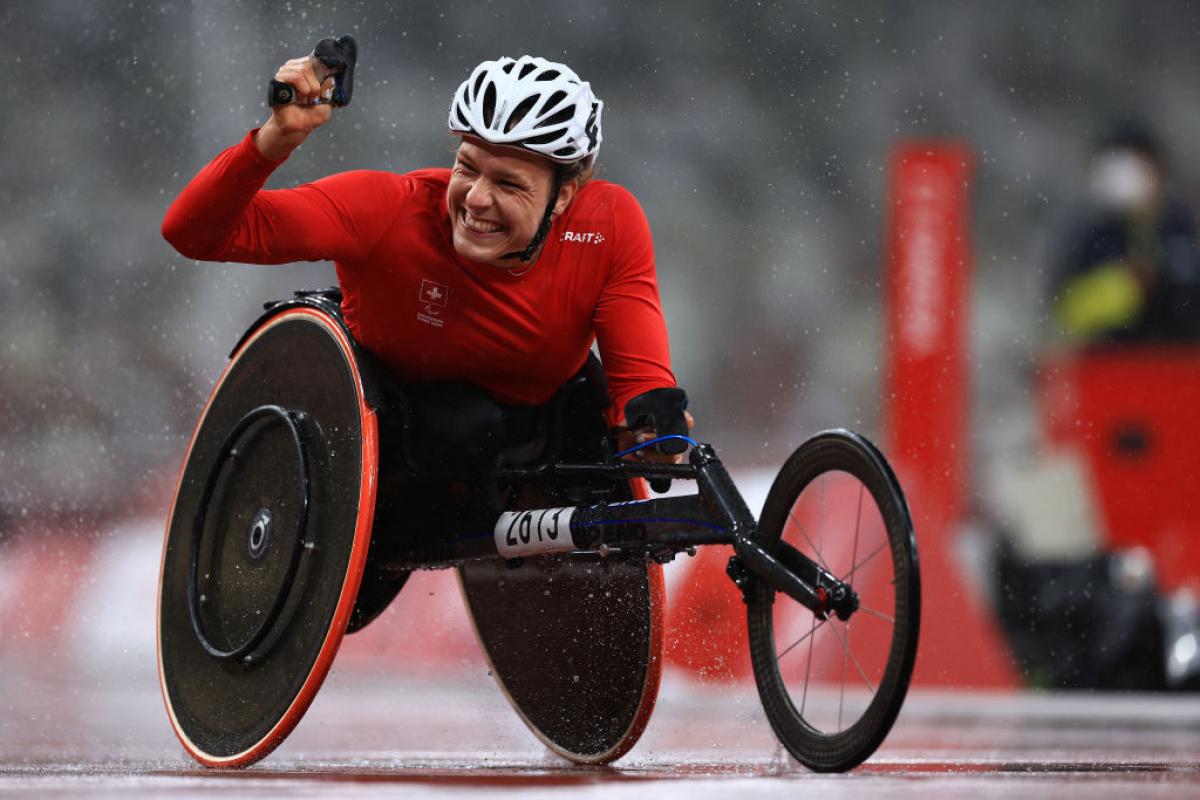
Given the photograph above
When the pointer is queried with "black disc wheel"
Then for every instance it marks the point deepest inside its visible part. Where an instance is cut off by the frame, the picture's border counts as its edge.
(267, 538)
(832, 687)
(576, 645)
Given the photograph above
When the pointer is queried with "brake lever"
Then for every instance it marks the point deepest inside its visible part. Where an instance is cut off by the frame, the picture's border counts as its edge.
(338, 57)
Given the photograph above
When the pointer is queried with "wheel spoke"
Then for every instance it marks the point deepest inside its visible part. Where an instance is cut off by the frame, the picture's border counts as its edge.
(857, 528)
(793, 645)
(853, 558)
(863, 563)
(811, 543)
(875, 613)
(857, 525)
(857, 666)
(808, 666)
(821, 512)
(842, 695)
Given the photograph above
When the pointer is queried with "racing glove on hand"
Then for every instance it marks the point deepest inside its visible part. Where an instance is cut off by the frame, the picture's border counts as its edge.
(660, 410)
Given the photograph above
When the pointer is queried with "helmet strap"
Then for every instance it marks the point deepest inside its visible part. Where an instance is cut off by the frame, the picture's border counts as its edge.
(544, 229)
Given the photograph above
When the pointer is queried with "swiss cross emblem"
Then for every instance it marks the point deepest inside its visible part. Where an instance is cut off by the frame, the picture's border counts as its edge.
(433, 292)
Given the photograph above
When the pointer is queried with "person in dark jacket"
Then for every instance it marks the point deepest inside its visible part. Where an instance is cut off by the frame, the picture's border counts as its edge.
(1130, 270)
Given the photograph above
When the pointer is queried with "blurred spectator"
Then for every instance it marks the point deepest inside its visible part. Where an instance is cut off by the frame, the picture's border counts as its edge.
(1130, 270)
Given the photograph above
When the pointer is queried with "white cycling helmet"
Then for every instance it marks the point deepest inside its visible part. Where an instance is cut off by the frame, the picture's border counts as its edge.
(530, 103)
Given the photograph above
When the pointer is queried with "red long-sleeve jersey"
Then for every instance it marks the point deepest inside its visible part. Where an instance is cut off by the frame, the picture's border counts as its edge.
(427, 312)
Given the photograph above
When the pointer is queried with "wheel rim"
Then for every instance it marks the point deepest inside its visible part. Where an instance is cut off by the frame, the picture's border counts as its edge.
(834, 669)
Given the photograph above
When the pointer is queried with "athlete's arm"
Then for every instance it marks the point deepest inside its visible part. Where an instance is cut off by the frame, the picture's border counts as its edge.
(224, 214)
(628, 320)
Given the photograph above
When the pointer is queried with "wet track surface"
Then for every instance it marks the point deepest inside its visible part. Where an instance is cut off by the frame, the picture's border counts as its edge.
(386, 736)
(410, 711)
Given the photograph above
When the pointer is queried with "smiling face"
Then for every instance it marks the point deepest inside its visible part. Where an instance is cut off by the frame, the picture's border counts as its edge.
(496, 198)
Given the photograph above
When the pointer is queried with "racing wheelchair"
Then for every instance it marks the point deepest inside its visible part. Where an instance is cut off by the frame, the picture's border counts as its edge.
(314, 484)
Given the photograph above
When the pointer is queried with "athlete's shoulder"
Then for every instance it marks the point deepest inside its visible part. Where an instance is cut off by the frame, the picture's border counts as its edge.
(606, 197)
(608, 213)
(601, 192)
(430, 176)
(426, 185)
(371, 181)
(416, 180)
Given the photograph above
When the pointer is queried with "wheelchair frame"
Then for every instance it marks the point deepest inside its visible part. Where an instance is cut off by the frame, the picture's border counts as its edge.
(592, 525)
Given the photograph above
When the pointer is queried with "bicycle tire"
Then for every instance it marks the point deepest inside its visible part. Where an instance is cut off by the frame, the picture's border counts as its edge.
(852, 455)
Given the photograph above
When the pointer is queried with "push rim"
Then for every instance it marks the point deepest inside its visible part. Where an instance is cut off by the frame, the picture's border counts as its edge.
(259, 536)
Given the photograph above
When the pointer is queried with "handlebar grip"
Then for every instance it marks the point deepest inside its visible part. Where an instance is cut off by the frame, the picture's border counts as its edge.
(280, 93)
(337, 57)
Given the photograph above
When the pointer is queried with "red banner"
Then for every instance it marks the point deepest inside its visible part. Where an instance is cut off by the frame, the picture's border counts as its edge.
(927, 402)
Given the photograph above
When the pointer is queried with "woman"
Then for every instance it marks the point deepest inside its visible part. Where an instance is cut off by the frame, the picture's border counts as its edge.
(499, 272)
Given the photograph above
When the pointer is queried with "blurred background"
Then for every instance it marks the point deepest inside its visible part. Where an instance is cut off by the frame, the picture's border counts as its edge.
(759, 139)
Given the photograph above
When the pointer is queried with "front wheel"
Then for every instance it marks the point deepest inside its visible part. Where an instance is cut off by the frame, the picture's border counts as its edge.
(832, 688)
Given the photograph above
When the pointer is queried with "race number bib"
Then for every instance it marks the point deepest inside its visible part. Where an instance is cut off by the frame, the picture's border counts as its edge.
(540, 530)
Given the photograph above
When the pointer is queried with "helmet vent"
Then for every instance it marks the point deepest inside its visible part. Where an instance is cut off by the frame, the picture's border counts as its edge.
(478, 83)
(507, 68)
(547, 138)
(548, 75)
(489, 104)
(525, 70)
(552, 101)
(565, 115)
(520, 112)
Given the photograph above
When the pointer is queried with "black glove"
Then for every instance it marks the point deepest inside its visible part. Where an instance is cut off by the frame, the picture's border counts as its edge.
(660, 410)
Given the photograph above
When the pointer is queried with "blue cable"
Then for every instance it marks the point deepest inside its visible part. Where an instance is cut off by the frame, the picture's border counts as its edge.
(697, 522)
(637, 447)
